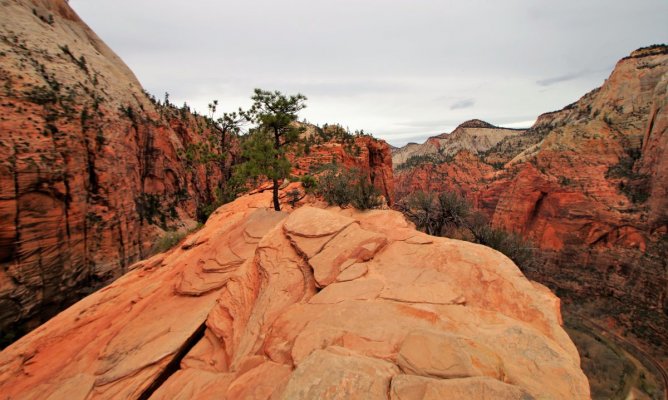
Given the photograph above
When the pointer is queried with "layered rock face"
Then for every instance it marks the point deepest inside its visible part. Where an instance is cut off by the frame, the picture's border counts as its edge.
(302, 304)
(91, 169)
(368, 155)
(474, 136)
(588, 185)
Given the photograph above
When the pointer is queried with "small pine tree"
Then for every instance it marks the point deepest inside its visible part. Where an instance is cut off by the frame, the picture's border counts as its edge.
(275, 115)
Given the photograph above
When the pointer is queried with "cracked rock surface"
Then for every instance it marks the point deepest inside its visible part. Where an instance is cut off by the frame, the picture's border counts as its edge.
(311, 303)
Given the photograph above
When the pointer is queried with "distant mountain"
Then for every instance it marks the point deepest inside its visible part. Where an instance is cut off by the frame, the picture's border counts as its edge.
(475, 136)
(588, 184)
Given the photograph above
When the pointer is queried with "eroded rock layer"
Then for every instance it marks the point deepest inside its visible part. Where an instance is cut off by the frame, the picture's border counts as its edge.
(312, 303)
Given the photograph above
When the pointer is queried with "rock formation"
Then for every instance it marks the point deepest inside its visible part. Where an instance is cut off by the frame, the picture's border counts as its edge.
(588, 185)
(332, 145)
(92, 169)
(301, 304)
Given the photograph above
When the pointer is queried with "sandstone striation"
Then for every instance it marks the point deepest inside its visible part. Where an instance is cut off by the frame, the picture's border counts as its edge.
(587, 184)
(265, 316)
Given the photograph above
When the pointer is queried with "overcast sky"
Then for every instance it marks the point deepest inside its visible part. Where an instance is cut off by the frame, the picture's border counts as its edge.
(402, 70)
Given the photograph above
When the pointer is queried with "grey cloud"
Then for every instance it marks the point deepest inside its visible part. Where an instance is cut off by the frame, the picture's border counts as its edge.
(559, 79)
(372, 64)
(464, 103)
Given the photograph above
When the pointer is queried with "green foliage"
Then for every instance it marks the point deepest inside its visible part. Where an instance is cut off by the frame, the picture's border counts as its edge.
(294, 196)
(229, 191)
(513, 246)
(149, 208)
(42, 95)
(632, 184)
(432, 213)
(265, 150)
(437, 213)
(309, 183)
(565, 181)
(343, 187)
(263, 158)
(171, 239)
(417, 160)
(497, 165)
(167, 241)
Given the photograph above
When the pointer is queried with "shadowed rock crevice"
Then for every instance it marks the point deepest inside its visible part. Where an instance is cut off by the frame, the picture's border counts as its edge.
(175, 363)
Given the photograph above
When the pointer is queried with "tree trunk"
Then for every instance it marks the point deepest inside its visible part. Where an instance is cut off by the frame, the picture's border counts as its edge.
(277, 205)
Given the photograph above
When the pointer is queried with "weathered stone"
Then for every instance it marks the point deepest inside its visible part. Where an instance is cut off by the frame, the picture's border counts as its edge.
(268, 332)
(406, 387)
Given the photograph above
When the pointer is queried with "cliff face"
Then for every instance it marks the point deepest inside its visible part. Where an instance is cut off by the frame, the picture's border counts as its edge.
(301, 304)
(91, 169)
(588, 185)
(364, 153)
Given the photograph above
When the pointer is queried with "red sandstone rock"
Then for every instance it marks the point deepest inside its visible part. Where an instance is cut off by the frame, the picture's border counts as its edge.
(431, 317)
(367, 154)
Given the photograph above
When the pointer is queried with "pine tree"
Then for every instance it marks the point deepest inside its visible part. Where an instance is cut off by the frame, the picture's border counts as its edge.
(275, 115)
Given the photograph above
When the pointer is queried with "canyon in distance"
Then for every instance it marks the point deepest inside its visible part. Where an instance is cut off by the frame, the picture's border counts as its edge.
(148, 251)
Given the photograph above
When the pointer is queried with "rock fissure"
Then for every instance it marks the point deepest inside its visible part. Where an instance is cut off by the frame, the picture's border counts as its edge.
(174, 364)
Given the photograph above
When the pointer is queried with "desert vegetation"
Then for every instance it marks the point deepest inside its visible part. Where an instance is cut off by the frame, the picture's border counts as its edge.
(348, 187)
(449, 214)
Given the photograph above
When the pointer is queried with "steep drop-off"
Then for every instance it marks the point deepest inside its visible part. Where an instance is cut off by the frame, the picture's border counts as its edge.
(92, 169)
(588, 185)
(306, 303)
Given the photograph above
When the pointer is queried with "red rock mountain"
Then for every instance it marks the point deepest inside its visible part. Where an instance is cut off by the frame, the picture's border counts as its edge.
(307, 303)
(587, 184)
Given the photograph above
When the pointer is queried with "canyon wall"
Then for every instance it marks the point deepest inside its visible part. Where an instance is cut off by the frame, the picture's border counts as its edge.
(92, 169)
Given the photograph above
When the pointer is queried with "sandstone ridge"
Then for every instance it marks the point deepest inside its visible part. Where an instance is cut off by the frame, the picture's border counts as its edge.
(311, 303)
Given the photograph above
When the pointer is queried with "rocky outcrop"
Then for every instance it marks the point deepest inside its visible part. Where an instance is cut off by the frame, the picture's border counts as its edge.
(92, 170)
(301, 304)
(474, 136)
(369, 155)
(588, 185)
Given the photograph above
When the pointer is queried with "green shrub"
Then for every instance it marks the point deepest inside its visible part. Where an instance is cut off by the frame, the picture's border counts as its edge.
(167, 241)
(42, 95)
(343, 187)
(438, 213)
(294, 196)
(309, 183)
(432, 213)
(512, 245)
